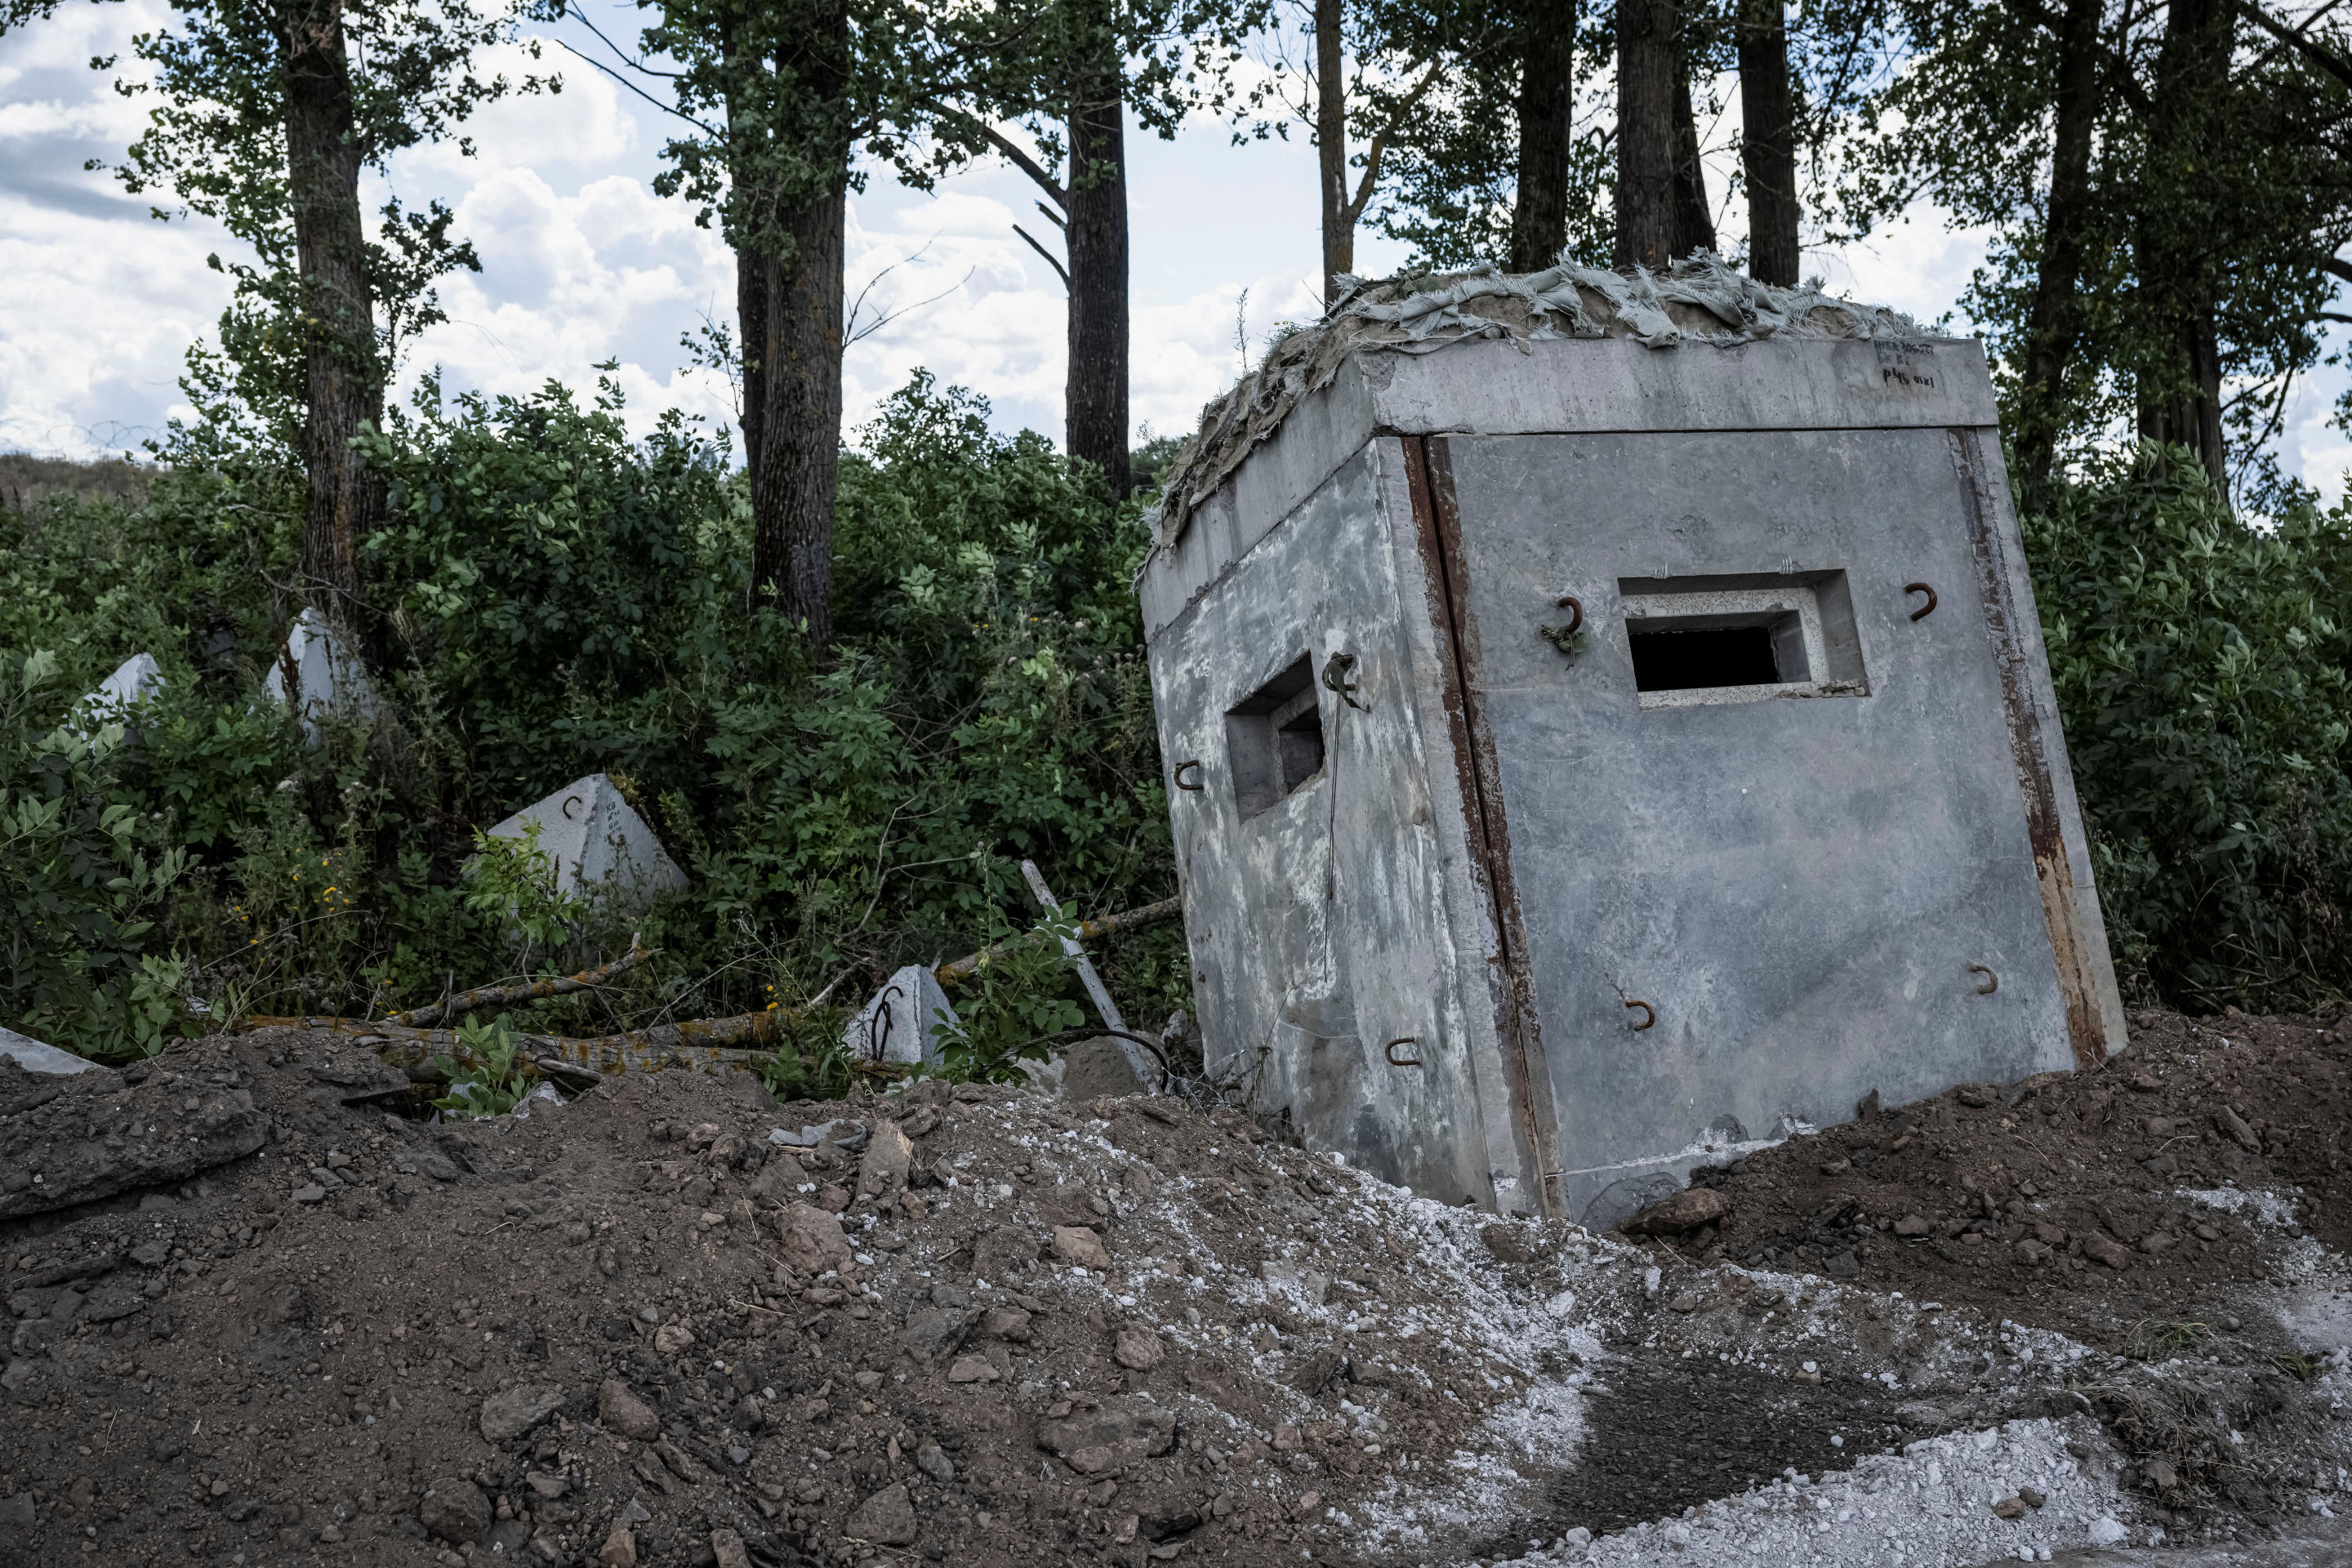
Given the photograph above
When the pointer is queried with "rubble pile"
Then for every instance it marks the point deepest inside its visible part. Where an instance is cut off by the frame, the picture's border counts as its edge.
(262, 1314)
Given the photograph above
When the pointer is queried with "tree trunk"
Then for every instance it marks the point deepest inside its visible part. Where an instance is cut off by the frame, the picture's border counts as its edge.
(2054, 324)
(1767, 149)
(754, 277)
(2181, 380)
(800, 440)
(1694, 219)
(1095, 393)
(341, 371)
(1547, 106)
(1331, 146)
(1645, 133)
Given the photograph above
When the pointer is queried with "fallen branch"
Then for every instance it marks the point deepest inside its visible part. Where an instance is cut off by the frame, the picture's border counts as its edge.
(489, 998)
(964, 968)
(702, 1045)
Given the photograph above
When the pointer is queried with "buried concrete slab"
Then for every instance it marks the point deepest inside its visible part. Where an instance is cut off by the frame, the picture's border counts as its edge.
(34, 1056)
(602, 849)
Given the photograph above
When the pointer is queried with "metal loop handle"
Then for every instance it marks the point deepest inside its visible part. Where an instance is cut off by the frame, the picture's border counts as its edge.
(569, 802)
(1991, 981)
(1924, 611)
(1649, 1015)
(1193, 764)
(1336, 672)
(1397, 1061)
(1575, 608)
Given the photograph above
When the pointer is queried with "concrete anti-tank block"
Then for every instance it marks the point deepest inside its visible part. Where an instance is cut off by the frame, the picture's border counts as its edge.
(602, 848)
(909, 1022)
(134, 680)
(34, 1056)
(327, 674)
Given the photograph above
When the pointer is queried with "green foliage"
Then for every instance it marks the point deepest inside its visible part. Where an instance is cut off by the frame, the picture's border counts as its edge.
(563, 599)
(82, 879)
(488, 1081)
(1017, 1003)
(2200, 667)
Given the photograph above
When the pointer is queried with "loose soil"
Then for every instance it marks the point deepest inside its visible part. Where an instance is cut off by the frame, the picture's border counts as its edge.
(271, 1316)
(2069, 1201)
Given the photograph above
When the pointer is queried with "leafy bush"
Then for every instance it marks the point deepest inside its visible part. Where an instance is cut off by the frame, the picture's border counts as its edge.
(2200, 664)
(556, 599)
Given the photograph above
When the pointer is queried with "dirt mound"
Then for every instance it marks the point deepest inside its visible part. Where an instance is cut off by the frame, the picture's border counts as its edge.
(677, 1322)
(2110, 1204)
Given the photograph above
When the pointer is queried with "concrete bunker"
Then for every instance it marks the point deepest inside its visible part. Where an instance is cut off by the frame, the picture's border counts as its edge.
(1608, 728)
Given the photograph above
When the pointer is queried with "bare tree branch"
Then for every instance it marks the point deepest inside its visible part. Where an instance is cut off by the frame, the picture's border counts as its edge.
(1061, 271)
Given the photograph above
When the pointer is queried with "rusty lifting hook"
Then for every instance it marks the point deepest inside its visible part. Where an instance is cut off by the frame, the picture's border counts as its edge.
(1565, 638)
(1991, 982)
(1195, 765)
(1397, 1061)
(1924, 611)
(1649, 1015)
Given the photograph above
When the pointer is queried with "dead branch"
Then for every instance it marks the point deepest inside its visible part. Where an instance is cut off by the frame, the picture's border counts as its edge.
(964, 968)
(495, 997)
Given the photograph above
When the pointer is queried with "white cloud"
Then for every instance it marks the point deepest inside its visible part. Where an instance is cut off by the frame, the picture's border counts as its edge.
(583, 263)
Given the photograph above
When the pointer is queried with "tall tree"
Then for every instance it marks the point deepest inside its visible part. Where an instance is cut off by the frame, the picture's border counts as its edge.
(265, 117)
(2053, 325)
(1094, 61)
(1546, 116)
(1694, 218)
(1647, 54)
(1768, 145)
(2180, 250)
(781, 98)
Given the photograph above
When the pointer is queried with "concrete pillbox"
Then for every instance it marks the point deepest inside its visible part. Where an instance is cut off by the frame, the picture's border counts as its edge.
(1592, 758)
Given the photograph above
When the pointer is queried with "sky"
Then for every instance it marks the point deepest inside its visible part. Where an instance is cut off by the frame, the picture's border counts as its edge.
(583, 262)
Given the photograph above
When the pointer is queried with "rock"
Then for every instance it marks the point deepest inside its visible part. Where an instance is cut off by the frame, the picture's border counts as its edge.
(728, 1548)
(2010, 1508)
(512, 1411)
(1686, 1302)
(1924, 1415)
(1686, 1210)
(17, 1511)
(1912, 1224)
(673, 1338)
(888, 1157)
(454, 1510)
(620, 1410)
(1075, 1243)
(2105, 1531)
(2032, 1499)
(1315, 1287)
(2101, 1247)
(1316, 1374)
(1002, 1253)
(549, 1484)
(933, 1461)
(1976, 1096)
(310, 1193)
(936, 1332)
(972, 1369)
(1009, 1323)
(1093, 1068)
(184, 1127)
(1846, 1265)
(1125, 1428)
(1138, 1350)
(1508, 1243)
(885, 1519)
(620, 1548)
(681, 1464)
(2230, 1123)
(2031, 1253)
(811, 1241)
